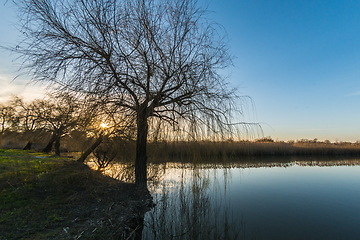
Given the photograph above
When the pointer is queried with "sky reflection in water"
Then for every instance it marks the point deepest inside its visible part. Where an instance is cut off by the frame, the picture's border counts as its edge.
(219, 202)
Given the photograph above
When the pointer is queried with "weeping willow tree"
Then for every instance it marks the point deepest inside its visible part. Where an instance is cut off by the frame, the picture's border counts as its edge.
(153, 59)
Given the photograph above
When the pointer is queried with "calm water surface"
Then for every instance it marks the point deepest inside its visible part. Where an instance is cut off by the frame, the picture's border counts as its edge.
(254, 200)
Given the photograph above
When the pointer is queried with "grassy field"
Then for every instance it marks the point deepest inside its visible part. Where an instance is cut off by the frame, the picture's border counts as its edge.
(45, 197)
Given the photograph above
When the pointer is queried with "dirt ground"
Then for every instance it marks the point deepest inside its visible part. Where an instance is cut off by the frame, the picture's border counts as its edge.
(108, 209)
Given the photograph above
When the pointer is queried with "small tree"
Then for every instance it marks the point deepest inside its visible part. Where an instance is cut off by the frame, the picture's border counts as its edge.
(151, 58)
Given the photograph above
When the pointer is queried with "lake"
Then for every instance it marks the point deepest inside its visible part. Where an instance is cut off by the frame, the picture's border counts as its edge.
(255, 199)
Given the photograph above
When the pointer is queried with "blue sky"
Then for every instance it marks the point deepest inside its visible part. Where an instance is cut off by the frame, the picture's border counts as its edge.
(298, 60)
(8, 64)
(300, 63)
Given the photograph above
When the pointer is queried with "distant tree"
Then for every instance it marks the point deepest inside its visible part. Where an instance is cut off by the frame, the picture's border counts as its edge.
(265, 139)
(7, 119)
(151, 58)
(28, 123)
(27, 114)
(60, 114)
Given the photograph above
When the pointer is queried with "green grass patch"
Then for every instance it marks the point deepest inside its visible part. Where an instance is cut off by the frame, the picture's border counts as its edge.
(18, 167)
(23, 211)
(48, 197)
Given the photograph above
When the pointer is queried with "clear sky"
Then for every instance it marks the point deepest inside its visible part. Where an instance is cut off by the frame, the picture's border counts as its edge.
(298, 60)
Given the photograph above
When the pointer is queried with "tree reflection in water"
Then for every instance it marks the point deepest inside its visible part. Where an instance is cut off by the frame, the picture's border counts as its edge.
(189, 206)
(284, 198)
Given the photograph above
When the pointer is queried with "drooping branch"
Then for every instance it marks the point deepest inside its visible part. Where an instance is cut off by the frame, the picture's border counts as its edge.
(150, 58)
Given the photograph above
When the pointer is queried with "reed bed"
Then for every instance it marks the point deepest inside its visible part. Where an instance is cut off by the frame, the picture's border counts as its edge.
(79, 142)
(232, 149)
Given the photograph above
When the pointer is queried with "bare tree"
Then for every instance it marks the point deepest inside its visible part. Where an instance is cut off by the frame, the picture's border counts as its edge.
(28, 123)
(60, 114)
(20, 116)
(6, 117)
(29, 120)
(151, 58)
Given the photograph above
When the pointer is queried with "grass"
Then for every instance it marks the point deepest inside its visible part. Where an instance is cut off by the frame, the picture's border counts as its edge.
(47, 197)
(19, 167)
(23, 212)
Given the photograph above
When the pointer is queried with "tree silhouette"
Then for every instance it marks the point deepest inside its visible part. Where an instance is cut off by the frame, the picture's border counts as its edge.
(62, 113)
(151, 58)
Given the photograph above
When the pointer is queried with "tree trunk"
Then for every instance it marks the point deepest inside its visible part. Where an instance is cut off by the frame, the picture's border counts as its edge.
(91, 149)
(48, 147)
(27, 146)
(57, 144)
(141, 158)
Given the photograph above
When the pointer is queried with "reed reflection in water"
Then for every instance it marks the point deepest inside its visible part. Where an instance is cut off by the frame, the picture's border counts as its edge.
(287, 198)
(190, 204)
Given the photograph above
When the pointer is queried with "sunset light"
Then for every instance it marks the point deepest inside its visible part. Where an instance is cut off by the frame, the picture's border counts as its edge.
(189, 119)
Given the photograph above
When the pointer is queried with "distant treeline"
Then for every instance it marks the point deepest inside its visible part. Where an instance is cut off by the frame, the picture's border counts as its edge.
(78, 141)
(77, 123)
(64, 121)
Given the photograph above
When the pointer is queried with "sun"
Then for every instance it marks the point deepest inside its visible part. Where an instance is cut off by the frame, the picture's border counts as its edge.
(103, 125)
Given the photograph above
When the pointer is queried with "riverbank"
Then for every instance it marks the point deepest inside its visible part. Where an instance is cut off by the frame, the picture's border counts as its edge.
(46, 197)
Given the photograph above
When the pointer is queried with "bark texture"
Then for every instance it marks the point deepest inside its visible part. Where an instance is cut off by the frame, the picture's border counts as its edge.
(141, 155)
